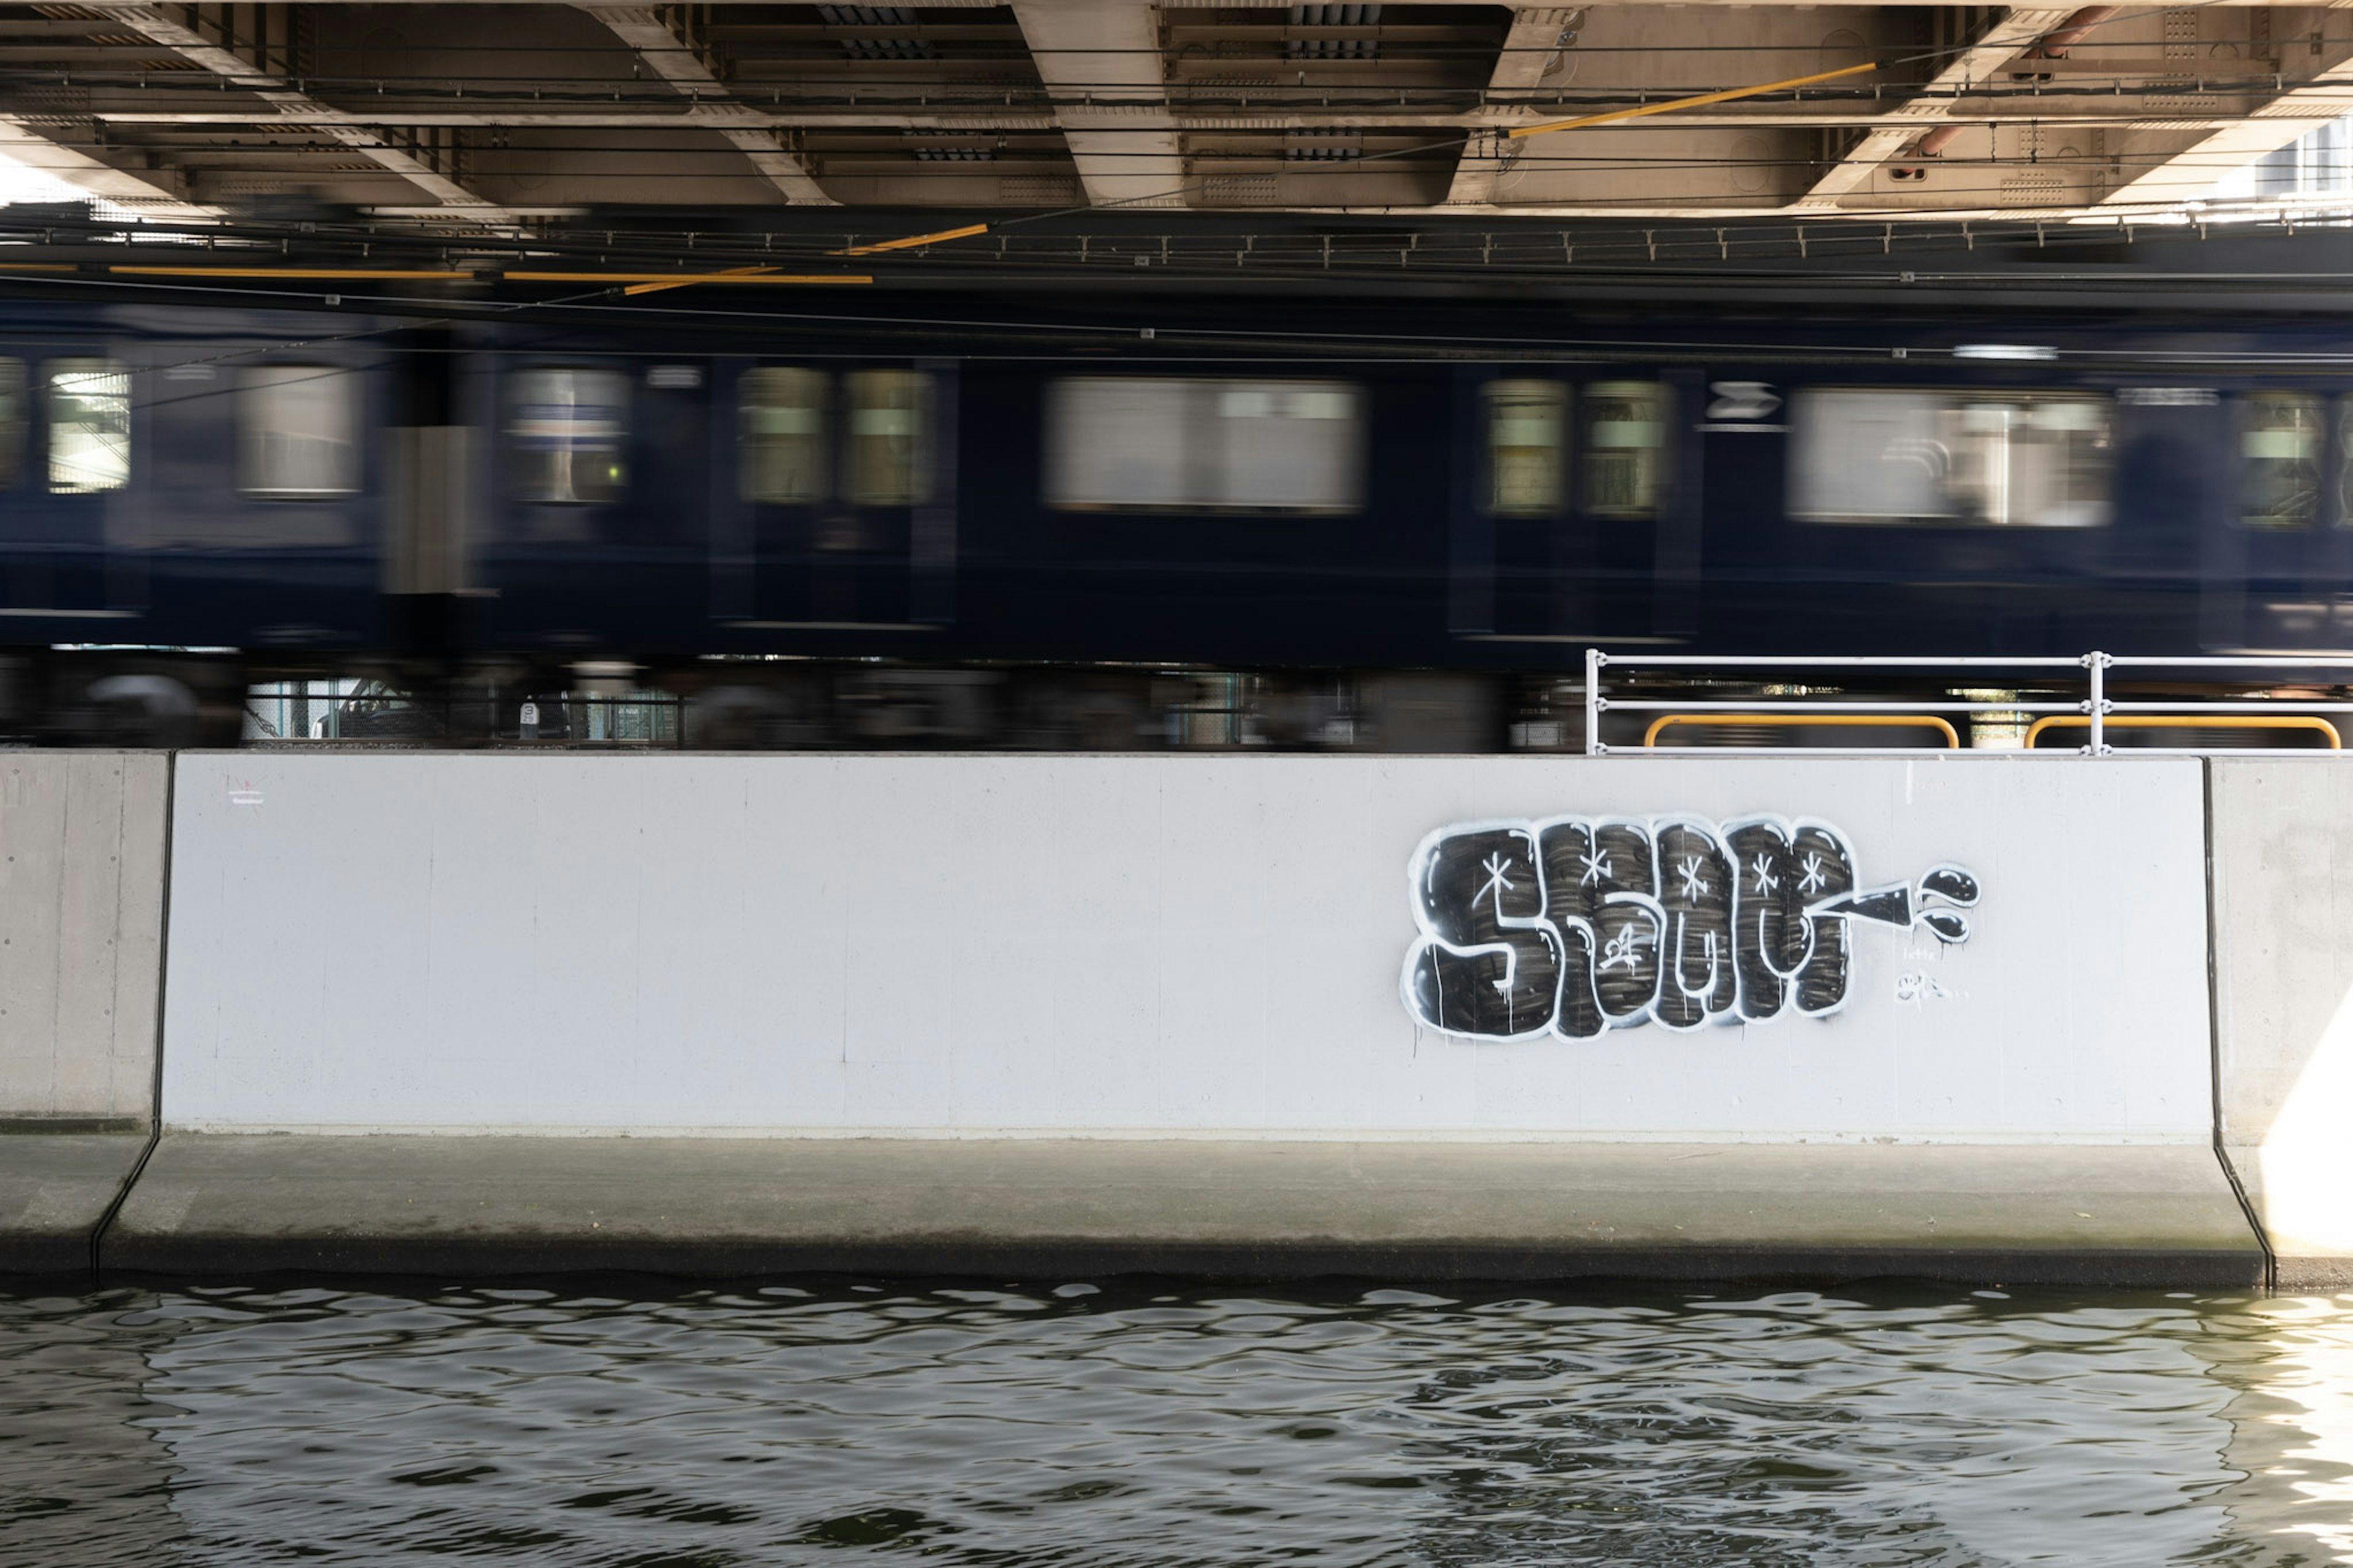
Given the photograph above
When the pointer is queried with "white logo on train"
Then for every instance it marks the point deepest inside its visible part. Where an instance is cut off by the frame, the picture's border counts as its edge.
(1741, 399)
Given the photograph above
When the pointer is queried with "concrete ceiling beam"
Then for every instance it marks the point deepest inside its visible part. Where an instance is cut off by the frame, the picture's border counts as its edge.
(2000, 44)
(670, 56)
(2187, 173)
(1519, 68)
(149, 23)
(1126, 146)
(27, 143)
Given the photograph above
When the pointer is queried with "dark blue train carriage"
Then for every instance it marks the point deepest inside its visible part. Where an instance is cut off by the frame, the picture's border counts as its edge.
(779, 519)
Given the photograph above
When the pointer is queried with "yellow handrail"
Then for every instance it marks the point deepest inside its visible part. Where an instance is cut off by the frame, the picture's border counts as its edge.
(2191, 722)
(1886, 721)
(681, 280)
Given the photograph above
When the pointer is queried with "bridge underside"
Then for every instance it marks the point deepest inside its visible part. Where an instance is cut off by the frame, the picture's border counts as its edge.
(500, 115)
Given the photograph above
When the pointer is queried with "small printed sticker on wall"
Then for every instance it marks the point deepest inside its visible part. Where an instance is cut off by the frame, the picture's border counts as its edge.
(242, 792)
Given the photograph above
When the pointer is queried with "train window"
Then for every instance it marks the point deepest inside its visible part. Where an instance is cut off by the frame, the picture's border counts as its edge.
(781, 445)
(2280, 438)
(298, 431)
(1137, 442)
(1625, 447)
(890, 447)
(1526, 421)
(569, 430)
(90, 425)
(12, 421)
(2000, 460)
(1119, 441)
(1284, 444)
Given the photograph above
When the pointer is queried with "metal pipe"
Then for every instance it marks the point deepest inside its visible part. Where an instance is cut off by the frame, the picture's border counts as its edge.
(1698, 101)
(1866, 661)
(1594, 659)
(2098, 706)
(1933, 144)
(2241, 661)
(2055, 43)
(2274, 705)
(1840, 705)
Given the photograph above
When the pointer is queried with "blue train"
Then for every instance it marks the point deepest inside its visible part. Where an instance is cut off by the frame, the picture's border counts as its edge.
(1374, 526)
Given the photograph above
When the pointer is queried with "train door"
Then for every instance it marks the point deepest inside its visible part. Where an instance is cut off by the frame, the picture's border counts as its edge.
(260, 527)
(70, 423)
(1576, 520)
(603, 476)
(842, 516)
(2276, 555)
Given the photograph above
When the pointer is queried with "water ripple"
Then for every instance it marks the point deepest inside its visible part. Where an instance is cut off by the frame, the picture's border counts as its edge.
(1107, 1423)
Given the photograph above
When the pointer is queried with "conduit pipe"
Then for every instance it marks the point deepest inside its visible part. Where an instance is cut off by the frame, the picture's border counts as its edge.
(1933, 143)
(2055, 44)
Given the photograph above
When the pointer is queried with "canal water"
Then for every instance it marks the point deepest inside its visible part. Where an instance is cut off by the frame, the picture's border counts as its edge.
(838, 1421)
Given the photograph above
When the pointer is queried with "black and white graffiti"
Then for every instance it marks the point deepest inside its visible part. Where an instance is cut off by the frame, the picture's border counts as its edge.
(1573, 925)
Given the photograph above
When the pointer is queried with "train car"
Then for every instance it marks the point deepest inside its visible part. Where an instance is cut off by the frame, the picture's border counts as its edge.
(174, 481)
(817, 537)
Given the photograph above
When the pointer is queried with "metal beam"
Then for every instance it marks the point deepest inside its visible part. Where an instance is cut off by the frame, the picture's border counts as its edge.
(668, 56)
(151, 24)
(2085, 109)
(1520, 68)
(1126, 150)
(2000, 44)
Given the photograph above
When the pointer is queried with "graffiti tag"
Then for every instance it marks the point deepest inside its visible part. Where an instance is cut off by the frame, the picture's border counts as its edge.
(1573, 925)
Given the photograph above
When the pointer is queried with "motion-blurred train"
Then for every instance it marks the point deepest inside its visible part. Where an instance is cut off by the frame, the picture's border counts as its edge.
(1374, 526)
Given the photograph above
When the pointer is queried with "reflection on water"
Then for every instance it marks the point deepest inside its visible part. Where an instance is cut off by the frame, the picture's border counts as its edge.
(1135, 1425)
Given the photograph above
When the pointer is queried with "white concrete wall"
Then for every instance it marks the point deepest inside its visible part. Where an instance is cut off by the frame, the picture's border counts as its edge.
(1153, 944)
(2282, 831)
(81, 927)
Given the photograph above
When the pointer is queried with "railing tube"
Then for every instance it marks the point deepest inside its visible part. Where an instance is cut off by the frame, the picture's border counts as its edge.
(1593, 662)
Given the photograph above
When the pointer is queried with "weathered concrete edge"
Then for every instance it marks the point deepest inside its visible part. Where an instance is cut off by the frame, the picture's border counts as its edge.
(216, 1204)
(479, 1256)
(57, 1192)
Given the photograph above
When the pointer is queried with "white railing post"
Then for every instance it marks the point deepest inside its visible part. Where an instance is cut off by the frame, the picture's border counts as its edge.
(2098, 663)
(1594, 659)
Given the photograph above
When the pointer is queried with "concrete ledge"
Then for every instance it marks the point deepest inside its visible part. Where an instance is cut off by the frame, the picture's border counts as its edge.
(2302, 1261)
(54, 1190)
(220, 1204)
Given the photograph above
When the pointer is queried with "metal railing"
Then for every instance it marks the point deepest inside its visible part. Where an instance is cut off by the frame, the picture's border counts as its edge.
(2097, 712)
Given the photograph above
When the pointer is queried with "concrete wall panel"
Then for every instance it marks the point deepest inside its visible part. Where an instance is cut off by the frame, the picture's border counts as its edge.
(2282, 848)
(81, 923)
(1145, 944)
